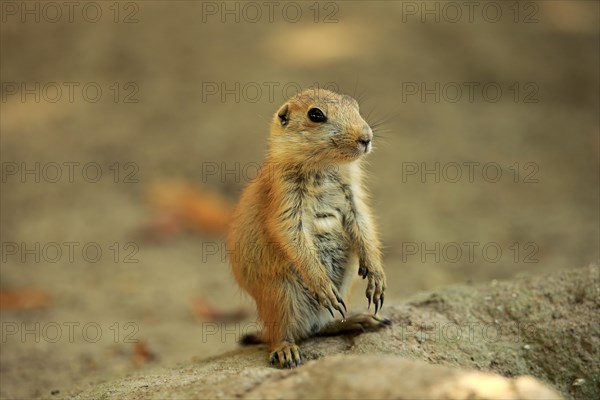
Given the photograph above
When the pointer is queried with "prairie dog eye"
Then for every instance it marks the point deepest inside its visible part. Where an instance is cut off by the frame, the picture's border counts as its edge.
(316, 115)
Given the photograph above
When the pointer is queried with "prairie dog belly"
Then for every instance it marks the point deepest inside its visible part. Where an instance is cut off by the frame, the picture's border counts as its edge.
(335, 251)
(333, 247)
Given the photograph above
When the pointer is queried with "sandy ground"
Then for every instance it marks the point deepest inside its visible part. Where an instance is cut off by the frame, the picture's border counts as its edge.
(533, 149)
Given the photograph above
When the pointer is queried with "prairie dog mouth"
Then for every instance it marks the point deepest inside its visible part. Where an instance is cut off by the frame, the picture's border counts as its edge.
(353, 151)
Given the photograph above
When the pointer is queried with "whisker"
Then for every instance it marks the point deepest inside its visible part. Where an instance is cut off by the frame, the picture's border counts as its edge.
(355, 88)
(361, 96)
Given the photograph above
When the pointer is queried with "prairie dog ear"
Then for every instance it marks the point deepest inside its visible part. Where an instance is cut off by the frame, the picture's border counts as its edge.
(283, 115)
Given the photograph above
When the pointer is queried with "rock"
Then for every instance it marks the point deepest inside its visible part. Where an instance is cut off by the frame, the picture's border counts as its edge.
(393, 377)
(478, 344)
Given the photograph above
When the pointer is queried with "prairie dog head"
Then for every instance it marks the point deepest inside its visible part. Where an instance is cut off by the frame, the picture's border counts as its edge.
(320, 126)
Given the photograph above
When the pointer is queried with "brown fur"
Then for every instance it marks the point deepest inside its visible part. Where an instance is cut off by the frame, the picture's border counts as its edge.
(302, 230)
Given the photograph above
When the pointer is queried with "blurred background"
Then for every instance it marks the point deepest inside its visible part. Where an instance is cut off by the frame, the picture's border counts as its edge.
(129, 128)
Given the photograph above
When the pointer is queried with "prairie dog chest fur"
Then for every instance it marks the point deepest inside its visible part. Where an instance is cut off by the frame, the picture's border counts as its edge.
(325, 199)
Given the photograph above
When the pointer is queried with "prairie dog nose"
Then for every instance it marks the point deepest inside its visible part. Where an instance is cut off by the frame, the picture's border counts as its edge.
(366, 136)
(364, 140)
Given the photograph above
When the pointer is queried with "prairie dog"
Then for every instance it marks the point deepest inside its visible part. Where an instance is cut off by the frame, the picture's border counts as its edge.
(302, 231)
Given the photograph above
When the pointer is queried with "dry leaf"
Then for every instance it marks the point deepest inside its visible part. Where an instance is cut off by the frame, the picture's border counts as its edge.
(141, 354)
(207, 312)
(180, 205)
(24, 299)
